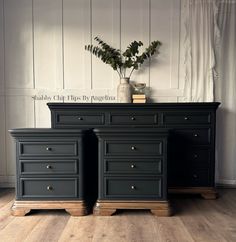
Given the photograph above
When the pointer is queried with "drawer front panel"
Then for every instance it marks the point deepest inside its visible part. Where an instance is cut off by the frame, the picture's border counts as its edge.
(74, 118)
(133, 166)
(186, 118)
(198, 156)
(192, 136)
(143, 119)
(190, 178)
(133, 147)
(49, 188)
(48, 167)
(48, 148)
(125, 187)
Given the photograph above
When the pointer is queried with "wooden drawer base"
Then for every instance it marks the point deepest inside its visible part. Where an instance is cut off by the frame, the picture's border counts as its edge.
(205, 192)
(74, 208)
(108, 207)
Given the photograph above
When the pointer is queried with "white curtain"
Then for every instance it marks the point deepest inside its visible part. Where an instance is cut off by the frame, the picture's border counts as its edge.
(200, 30)
(210, 72)
(225, 92)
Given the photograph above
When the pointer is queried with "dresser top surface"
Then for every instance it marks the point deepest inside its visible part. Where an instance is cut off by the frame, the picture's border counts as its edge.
(134, 105)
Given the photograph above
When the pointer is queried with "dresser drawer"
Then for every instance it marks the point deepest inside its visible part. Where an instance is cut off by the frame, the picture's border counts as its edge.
(134, 119)
(132, 148)
(189, 177)
(133, 166)
(49, 188)
(192, 136)
(48, 148)
(79, 118)
(136, 188)
(48, 167)
(198, 156)
(186, 118)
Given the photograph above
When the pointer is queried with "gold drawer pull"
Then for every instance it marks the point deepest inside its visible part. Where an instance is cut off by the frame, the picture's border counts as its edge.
(133, 148)
(80, 118)
(48, 148)
(49, 167)
(133, 187)
(133, 118)
(132, 166)
(49, 188)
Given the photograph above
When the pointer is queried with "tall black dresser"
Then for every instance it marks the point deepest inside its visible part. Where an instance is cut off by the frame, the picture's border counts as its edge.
(191, 127)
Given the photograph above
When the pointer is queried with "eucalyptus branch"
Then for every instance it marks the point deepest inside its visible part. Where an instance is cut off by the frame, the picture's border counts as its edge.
(120, 62)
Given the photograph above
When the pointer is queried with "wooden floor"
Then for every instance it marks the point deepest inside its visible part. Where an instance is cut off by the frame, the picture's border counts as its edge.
(195, 220)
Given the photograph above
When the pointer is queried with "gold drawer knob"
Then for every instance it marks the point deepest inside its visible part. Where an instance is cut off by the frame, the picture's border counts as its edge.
(49, 188)
(80, 118)
(133, 187)
(49, 167)
(132, 166)
(133, 148)
(48, 148)
(133, 118)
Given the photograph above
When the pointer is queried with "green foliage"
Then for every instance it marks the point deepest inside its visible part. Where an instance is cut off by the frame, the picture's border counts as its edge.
(130, 58)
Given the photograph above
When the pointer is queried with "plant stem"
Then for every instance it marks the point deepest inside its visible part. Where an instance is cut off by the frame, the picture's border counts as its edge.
(118, 73)
(131, 72)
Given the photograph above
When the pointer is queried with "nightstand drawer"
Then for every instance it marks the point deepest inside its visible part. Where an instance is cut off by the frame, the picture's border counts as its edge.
(49, 188)
(48, 167)
(48, 148)
(133, 148)
(134, 119)
(79, 118)
(136, 188)
(186, 118)
(192, 136)
(133, 166)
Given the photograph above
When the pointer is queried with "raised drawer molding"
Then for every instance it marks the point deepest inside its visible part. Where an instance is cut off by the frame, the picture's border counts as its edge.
(50, 170)
(191, 140)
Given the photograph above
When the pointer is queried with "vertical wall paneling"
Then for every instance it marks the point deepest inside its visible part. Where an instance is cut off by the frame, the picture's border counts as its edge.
(76, 25)
(175, 43)
(2, 137)
(19, 114)
(42, 114)
(1, 48)
(163, 21)
(2, 95)
(48, 44)
(106, 25)
(18, 44)
(135, 26)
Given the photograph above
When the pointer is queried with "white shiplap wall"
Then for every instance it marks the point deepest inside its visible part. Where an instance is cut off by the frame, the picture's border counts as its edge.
(42, 53)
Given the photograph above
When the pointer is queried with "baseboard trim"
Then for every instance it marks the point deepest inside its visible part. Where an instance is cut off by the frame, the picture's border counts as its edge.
(232, 186)
(7, 181)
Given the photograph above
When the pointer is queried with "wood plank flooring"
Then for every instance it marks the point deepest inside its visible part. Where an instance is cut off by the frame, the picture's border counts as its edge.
(195, 219)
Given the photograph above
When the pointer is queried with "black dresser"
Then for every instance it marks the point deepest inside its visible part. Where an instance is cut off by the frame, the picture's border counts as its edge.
(132, 170)
(49, 170)
(191, 142)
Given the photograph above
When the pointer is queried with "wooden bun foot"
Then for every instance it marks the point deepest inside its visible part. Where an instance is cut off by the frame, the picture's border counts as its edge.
(107, 208)
(74, 208)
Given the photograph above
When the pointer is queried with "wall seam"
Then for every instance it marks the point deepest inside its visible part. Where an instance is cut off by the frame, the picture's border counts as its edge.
(33, 56)
(63, 45)
(4, 86)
